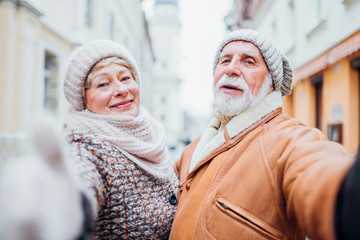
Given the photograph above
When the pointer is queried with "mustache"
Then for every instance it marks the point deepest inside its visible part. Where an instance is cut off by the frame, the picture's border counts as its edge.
(236, 82)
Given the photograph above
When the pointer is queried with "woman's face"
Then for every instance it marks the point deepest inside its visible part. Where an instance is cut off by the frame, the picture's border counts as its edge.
(113, 91)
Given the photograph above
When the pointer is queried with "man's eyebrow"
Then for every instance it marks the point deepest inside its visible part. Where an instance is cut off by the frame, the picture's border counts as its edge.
(251, 54)
(225, 54)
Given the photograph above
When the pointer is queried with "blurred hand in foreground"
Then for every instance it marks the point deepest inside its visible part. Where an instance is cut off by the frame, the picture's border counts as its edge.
(39, 199)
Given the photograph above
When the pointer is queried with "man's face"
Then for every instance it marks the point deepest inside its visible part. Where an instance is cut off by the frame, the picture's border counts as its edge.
(239, 78)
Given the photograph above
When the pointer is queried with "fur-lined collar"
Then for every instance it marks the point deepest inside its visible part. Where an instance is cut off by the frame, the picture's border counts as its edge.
(212, 138)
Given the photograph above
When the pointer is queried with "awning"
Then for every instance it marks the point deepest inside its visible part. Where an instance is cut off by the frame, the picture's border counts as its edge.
(333, 55)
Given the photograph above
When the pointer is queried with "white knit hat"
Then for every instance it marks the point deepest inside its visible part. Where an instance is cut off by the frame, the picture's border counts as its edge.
(276, 61)
(83, 59)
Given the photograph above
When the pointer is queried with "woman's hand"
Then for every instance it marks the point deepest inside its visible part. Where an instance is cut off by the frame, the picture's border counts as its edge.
(38, 196)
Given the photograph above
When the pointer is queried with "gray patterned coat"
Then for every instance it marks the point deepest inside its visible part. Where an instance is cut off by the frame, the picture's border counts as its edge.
(130, 203)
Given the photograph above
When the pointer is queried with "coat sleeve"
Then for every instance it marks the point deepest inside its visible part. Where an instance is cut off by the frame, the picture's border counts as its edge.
(181, 166)
(347, 215)
(89, 177)
(313, 171)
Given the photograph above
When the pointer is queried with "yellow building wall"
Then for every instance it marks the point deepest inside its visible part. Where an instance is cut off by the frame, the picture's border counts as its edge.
(341, 92)
(11, 25)
(304, 102)
(5, 31)
(354, 111)
(20, 37)
(23, 21)
(353, 121)
(334, 90)
(340, 102)
(288, 105)
(15, 98)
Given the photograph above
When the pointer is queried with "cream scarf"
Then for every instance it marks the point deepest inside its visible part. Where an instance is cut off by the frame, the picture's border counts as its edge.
(213, 137)
(141, 138)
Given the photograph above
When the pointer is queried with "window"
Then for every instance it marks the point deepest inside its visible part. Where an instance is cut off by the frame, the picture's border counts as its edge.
(50, 83)
(319, 9)
(291, 20)
(334, 132)
(89, 12)
(315, 16)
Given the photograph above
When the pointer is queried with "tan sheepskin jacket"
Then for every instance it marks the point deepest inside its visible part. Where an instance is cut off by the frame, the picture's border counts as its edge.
(266, 176)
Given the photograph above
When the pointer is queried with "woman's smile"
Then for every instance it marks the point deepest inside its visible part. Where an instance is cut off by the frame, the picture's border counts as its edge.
(123, 104)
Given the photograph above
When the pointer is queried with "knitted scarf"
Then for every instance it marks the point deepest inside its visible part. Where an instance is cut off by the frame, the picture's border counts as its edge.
(141, 138)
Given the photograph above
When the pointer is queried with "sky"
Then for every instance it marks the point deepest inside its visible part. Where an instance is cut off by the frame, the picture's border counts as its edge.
(202, 30)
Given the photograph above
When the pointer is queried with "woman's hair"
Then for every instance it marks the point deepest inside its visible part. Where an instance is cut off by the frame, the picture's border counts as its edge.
(104, 62)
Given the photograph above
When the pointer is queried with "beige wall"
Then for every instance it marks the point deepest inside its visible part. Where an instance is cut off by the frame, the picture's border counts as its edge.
(342, 85)
(19, 33)
(25, 36)
(23, 42)
(336, 91)
(353, 132)
(4, 65)
(288, 105)
(29, 30)
(340, 88)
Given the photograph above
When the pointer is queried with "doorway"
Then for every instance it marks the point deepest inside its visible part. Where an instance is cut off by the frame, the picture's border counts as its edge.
(317, 82)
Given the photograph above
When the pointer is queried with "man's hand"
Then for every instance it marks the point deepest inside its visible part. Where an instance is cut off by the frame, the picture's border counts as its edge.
(347, 214)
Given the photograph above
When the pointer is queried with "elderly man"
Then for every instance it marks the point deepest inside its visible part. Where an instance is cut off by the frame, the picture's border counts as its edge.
(255, 172)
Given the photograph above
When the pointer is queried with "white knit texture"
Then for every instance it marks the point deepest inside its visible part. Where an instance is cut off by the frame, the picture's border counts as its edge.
(140, 138)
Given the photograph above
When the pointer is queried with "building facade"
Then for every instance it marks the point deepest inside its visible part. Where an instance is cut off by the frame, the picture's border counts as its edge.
(322, 41)
(165, 28)
(36, 39)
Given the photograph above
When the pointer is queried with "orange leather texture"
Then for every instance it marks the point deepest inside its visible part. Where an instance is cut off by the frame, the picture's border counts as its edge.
(278, 179)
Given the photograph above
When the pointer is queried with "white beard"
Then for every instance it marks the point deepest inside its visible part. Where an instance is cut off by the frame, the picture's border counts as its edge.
(230, 105)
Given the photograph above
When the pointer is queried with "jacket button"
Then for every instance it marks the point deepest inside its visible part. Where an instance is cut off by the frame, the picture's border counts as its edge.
(172, 200)
(188, 186)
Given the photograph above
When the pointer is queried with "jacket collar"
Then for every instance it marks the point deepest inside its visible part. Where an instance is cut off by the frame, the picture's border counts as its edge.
(211, 139)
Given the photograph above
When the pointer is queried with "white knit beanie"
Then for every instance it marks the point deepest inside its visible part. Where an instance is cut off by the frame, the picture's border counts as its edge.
(276, 61)
(83, 59)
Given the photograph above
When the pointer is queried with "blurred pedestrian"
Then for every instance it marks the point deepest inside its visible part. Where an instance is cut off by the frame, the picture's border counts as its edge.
(120, 150)
(255, 172)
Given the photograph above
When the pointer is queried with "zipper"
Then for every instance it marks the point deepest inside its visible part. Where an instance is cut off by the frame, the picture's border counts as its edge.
(256, 227)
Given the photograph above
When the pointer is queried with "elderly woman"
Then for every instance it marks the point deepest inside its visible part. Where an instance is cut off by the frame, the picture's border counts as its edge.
(120, 149)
